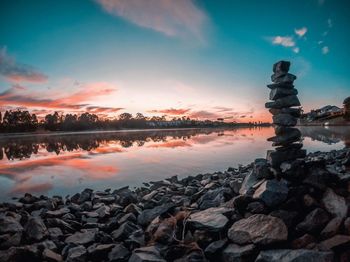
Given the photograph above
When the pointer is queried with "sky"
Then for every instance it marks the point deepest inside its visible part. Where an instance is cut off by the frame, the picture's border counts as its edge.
(203, 59)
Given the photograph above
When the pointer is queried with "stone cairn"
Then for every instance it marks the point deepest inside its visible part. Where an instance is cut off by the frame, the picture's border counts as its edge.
(285, 110)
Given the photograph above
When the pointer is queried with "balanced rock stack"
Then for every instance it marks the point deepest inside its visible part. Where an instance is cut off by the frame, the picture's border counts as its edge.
(285, 110)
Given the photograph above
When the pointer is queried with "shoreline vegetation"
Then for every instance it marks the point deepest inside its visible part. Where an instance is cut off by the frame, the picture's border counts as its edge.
(242, 214)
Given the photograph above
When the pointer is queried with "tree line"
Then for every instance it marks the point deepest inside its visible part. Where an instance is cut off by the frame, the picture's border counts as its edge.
(24, 121)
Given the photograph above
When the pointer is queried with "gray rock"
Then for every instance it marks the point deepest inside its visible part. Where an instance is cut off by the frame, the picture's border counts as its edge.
(258, 229)
(293, 135)
(124, 231)
(315, 221)
(55, 232)
(250, 181)
(332, 228)
(283, 78)
(237, 253)
(335, 204)
(99, 251)
(51, 256)
(215, 248)
(282, 92)
(77, 254)
(289, 255)
(272, 192)
(281, 67)
(9, 225)
(211, 219)
(58, 213)
(146, 254)
(287, 101)
(284, 120)
(35, 229)
(8, 240)
(149, 214)
(86, 236)
(280, 85)
(261, 168)
(119, 253)
(276, 158)
(334, 242)
(296, 112)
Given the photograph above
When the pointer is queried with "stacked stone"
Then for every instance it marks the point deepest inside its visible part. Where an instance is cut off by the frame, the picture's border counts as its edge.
(285, 110)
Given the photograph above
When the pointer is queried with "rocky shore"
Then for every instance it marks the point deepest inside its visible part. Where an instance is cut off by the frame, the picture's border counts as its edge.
(243, 214)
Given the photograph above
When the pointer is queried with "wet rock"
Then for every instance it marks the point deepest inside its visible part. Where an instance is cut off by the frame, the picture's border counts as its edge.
(149, 214)
(119, 253)
(9, 224)
(35, 229)
(316, 220)
(272, 192)
(211, 219)
(334, 242)
(51, 256)
(86, 236)
(258, 229)
(335, 204)
(146, 254)
(236, 253)
(289, 255)
(77, 254)
(332, 228)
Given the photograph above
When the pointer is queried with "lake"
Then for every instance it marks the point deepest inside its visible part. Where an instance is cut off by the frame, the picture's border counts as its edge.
(62, 164)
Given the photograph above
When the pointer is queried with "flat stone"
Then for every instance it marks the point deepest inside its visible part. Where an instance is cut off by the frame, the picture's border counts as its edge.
(335, 204)
(35, 229)
(315, 221)
(249, 182)
(293, 136)
(334, 242)
(211, 219)
(58, 213)
(280, 85)
(9, 225)
(77, 254)
(284, 120)
(236, 253)
(148, 215)
(82, 238)
(283, 78)
(258, 229)
(287, 101)
(51, 256)
(289, 255)
(272, 192)
(282, 92)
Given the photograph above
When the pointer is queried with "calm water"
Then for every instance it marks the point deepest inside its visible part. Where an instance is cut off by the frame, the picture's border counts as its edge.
(65, 164)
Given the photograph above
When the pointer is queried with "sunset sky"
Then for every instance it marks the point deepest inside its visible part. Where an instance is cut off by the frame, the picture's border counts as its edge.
(204, 59)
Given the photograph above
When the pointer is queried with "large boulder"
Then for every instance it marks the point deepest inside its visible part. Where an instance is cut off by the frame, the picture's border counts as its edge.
(258, 229)
(211, 219)
(272, 192)
(298, 255)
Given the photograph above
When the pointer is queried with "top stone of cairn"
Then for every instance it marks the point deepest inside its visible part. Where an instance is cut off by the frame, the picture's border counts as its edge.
(281, 67)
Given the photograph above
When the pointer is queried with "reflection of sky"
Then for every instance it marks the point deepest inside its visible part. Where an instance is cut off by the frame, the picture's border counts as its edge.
(110, 165)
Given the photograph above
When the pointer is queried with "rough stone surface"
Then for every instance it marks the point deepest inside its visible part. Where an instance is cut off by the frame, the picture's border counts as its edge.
(236, 253)
(211, 219)
(272, 192)
(335, 204)
(316, 220)
(35, 229)
(288, 255)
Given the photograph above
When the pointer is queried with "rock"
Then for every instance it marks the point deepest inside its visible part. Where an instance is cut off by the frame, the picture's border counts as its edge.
(211, 219)
(9, 225)
(86, 236)
(293, 136)
(8, 240)
(303, 241)
(314, 221)
(149, 214)
(258, 229)
(103, 211)
(55, 232)
(98, 252)
(347, 225)
(282, 92)
(261, 168)
(272, 192)
(281, 67)
(213, 198)
(289, 255)
(215, 248)
(283, 78)
(281, 85)
(287, 101)
(256, 207)
(291, 111)
(50, 256)
(334, 242)
(318, 178)
(119, 253)
(77, 254)
(146, 254)
(124, 231)
(249, 182)
(236, 253)
(35, 229)
(276, 158)
(335, 204)
(332, 228)
(284, 120)
(287, 217)
(58, 213)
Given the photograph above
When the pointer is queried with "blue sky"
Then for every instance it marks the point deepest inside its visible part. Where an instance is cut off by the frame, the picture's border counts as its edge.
(204, 59)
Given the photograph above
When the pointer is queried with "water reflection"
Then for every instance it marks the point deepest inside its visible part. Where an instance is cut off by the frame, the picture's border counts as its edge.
(65, 164)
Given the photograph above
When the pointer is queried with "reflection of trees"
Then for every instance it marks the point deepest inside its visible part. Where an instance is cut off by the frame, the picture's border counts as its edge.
(24, 147)
(329, 135)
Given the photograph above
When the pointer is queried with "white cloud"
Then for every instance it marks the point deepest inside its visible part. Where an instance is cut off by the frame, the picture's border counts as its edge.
(286, 41)
(325, 50)
(301, 32)
(296, 49)
(174, 18)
